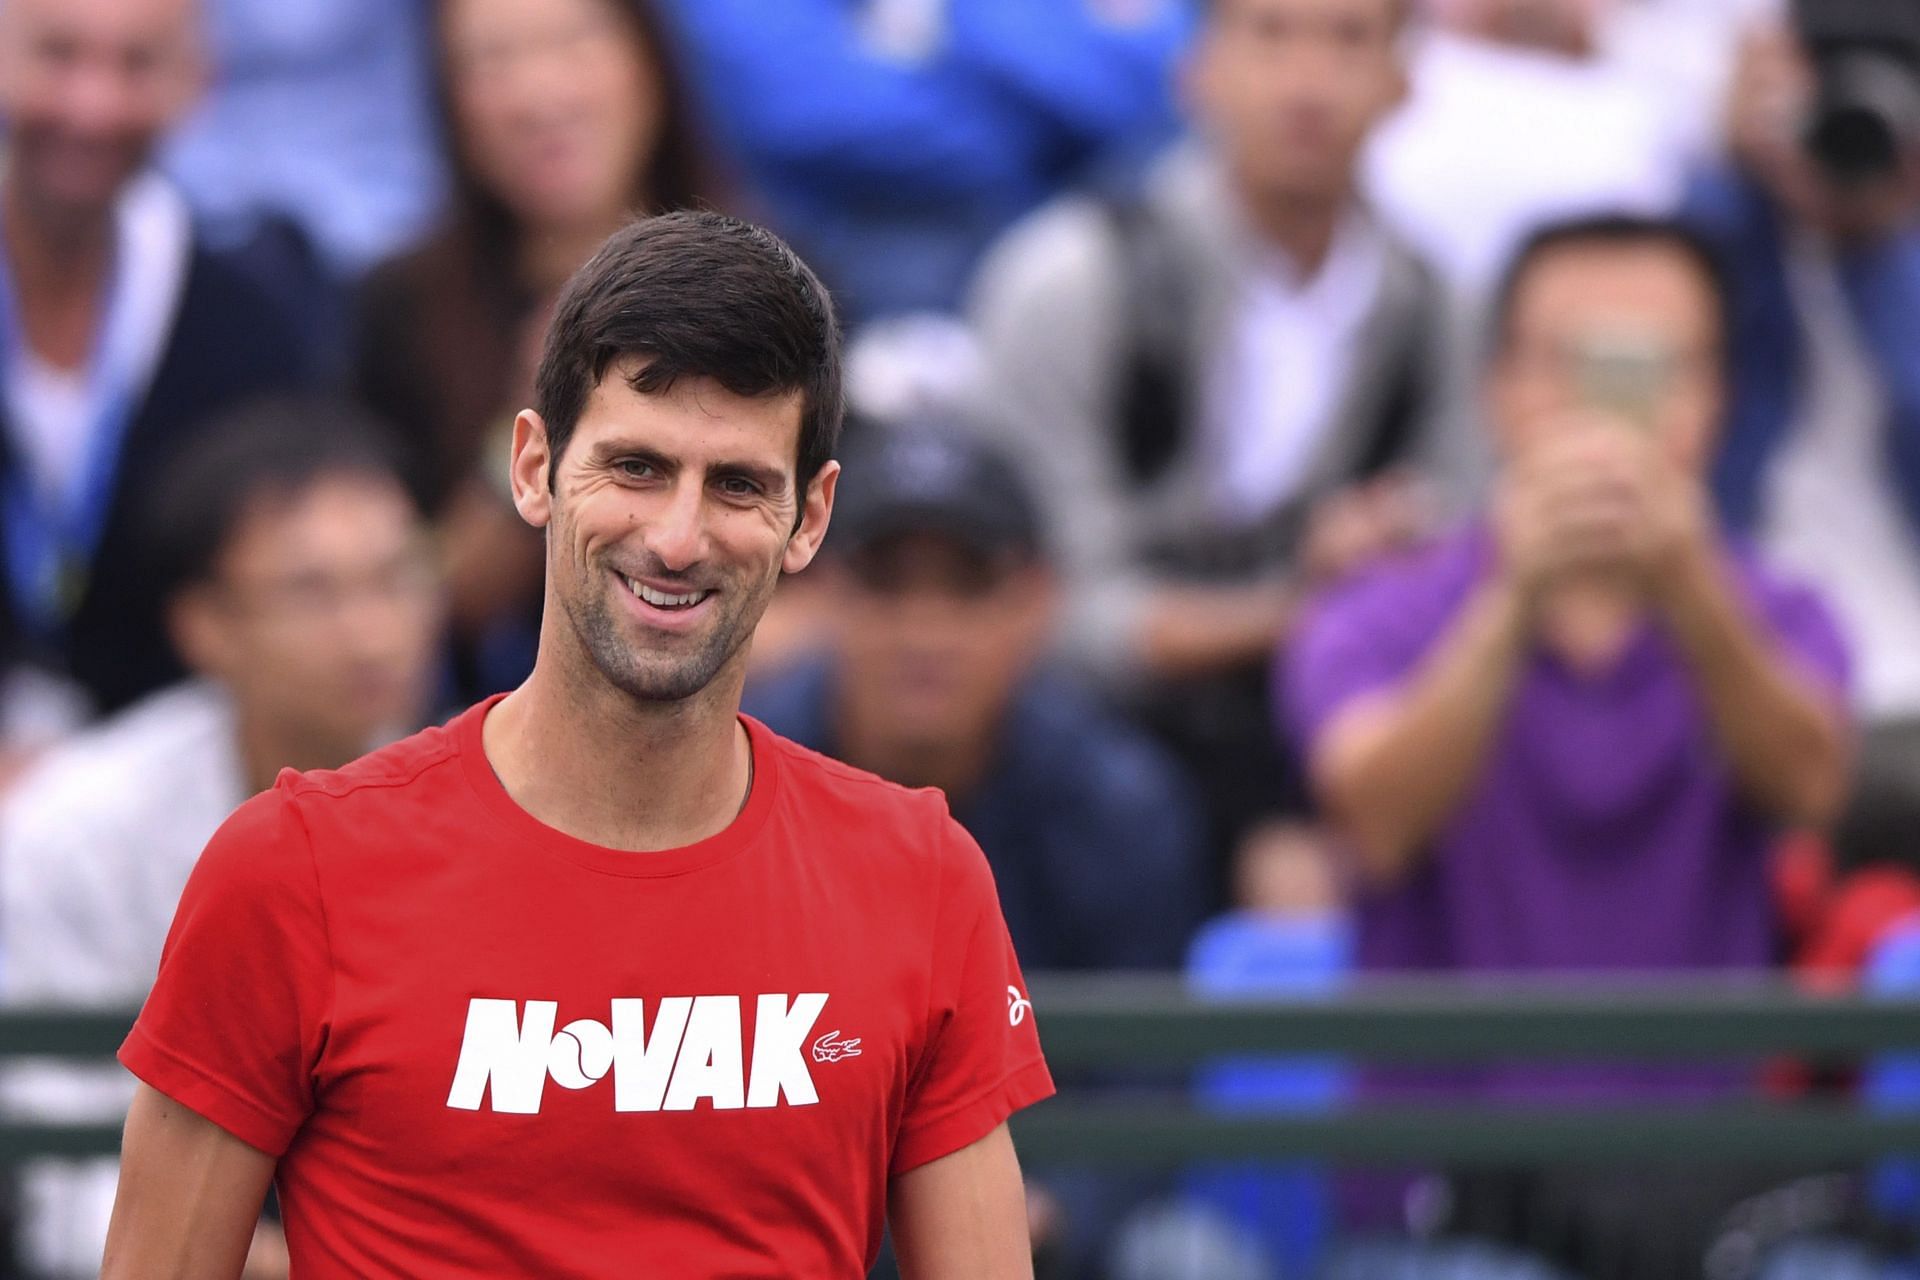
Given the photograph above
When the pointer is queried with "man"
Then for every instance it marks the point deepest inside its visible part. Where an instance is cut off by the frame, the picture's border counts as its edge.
(1821, 460)
(119, 331)
(1565, 737)
(600, 975)
(1204, 369)
(940, 606)
(300, 591)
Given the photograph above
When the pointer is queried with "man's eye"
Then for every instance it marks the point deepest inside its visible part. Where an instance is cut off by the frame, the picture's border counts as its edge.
(635, 468)
(738, 487)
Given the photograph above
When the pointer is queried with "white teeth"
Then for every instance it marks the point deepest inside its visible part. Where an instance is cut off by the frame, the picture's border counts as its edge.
(660, 599)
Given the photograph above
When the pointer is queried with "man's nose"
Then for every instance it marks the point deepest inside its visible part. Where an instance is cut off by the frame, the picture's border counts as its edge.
(676, 533)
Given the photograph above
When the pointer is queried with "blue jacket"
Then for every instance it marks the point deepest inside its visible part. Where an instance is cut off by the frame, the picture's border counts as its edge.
(891, 170)
(1881, 284)
(1094, 839)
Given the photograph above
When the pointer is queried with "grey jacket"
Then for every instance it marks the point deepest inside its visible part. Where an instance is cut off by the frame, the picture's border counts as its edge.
(1059, 328)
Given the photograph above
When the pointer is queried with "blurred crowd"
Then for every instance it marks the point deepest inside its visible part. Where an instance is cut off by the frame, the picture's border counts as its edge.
(1332, 486)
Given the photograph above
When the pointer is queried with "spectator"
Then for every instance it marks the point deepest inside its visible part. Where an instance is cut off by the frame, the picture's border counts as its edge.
(1207, 373)
(1610, 678)
(300, 592)
(1564, 738)
(1518, 115)
(942, 606)
(565, 119)
(894, 138)
(1822, 455)
(119, 330)
(321, 111)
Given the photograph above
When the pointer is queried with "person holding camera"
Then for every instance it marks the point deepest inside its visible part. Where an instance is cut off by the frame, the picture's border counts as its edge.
(1818, 218)
(1564, 738)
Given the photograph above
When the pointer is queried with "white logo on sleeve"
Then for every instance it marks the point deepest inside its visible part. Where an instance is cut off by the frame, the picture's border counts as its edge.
(694, 1051)
(1018, 1007)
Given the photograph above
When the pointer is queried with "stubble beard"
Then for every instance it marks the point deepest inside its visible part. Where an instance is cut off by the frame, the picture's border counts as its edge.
(657, 674)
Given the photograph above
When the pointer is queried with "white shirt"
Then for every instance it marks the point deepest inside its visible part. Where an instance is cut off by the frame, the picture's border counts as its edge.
(1272, 397)
(96, 842)
(1831, 515)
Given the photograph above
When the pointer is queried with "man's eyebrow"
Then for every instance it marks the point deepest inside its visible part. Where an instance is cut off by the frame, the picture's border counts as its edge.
(608, 450)
(772, 479)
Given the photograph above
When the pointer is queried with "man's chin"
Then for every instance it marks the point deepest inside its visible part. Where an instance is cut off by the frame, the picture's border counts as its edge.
(78, 188)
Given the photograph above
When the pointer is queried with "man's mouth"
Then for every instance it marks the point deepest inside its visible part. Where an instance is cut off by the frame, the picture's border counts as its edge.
(665, 599)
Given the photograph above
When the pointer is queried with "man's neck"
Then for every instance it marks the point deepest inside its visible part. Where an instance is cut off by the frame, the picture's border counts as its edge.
(958, 768)
(1588, 622)
(1301, 228)
(57, 261)
(601, 766)
(267, 748)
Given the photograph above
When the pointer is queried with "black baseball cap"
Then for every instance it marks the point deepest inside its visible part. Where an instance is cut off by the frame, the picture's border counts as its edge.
(901, 481)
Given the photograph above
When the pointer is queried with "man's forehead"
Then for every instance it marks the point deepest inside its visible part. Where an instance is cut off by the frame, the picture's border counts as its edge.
(692, 415)
(113, 20)
(1654, 284)
(364, 514)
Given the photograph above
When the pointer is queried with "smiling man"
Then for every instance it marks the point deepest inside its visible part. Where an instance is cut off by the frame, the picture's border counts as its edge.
(601, 978)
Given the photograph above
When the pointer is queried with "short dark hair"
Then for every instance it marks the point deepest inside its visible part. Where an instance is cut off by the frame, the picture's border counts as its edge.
(1612, 231)
(273, 448)
(696, 295)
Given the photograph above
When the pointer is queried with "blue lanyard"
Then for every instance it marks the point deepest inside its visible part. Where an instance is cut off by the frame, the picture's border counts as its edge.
(51, 539)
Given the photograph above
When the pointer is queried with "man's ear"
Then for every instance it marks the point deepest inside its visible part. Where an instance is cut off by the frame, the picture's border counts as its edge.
(816, 510)
(531, 470)
(1038, 598)
(1193, 78)
(196, 625)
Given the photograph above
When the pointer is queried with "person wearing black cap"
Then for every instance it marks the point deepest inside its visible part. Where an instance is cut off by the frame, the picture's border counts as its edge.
(942, 605)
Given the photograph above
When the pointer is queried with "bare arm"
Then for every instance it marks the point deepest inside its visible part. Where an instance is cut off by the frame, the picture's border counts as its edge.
(1391, 766)
(190, 1194)
(963, 1216)
(1783, 734)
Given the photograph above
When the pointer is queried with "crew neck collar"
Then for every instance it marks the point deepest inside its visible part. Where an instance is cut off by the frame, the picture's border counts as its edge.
(466, 730)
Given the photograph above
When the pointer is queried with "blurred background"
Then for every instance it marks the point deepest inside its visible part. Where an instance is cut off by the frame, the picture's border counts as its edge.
(1332, 487)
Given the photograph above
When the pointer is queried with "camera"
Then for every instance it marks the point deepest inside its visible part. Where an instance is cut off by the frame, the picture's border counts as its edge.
(1866, 114)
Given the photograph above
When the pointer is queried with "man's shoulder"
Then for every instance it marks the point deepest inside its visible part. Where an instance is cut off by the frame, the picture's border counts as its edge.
(1067, 739)
(266, 298)
(1069, 250)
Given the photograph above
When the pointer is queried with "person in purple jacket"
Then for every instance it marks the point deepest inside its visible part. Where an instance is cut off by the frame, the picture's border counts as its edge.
(1565, 737)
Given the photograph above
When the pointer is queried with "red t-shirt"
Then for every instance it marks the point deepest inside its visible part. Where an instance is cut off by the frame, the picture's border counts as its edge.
(483, 1048)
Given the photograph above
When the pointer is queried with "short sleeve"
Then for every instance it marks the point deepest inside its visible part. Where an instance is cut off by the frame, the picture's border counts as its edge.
(982, 1059)
(1352, 642)
(1805, 629)
(239, 1013)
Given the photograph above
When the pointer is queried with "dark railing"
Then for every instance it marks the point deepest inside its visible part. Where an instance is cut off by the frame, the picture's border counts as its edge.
(1104, 1024)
